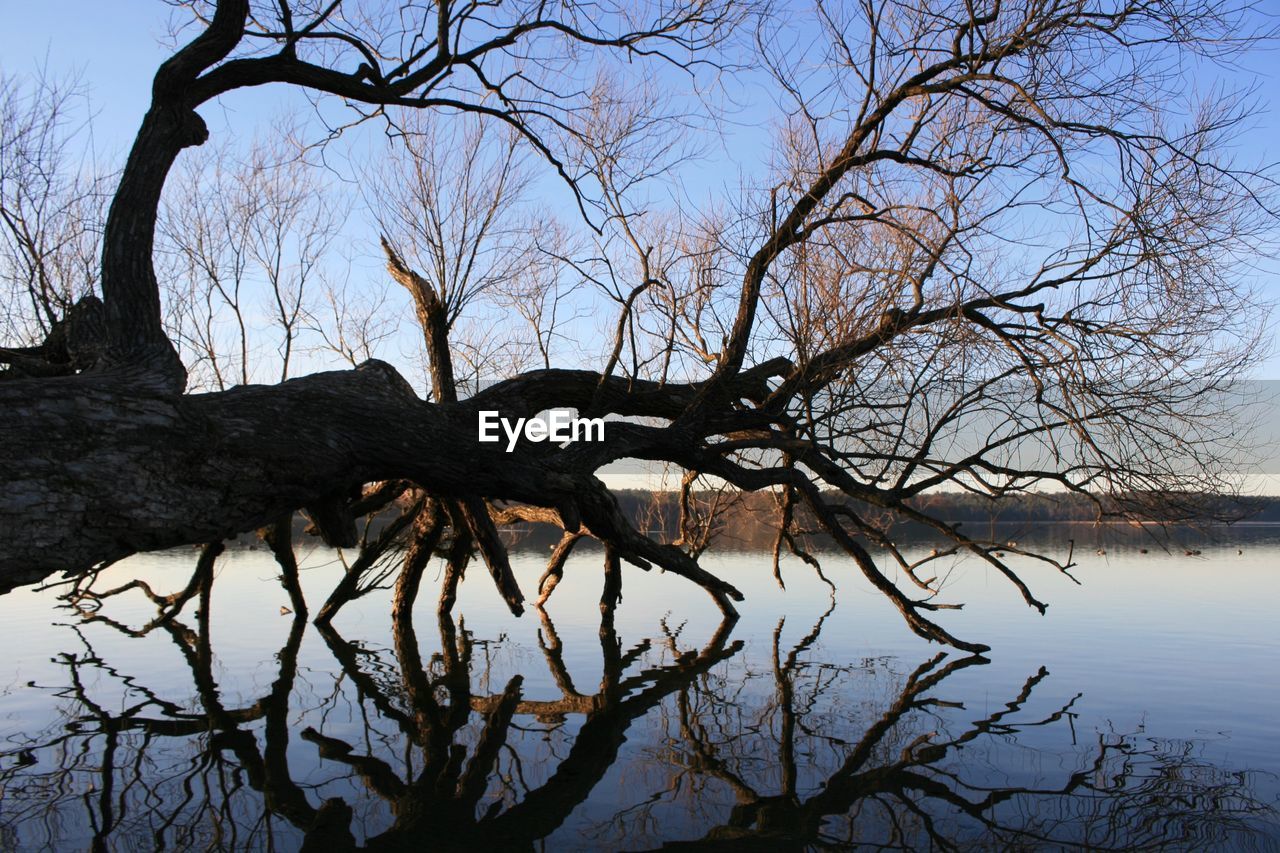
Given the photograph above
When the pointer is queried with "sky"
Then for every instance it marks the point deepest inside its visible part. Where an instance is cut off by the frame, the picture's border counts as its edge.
(113, 47)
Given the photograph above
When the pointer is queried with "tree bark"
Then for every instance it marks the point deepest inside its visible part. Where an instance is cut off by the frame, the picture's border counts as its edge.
(97, 468)
(427, 527)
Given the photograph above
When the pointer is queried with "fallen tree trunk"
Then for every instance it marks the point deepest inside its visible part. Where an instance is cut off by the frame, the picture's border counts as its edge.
(95, 469)
(99, 467)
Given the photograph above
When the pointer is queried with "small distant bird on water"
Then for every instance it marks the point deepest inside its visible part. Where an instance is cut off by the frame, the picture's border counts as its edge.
(1102, 552)
(1142, 550)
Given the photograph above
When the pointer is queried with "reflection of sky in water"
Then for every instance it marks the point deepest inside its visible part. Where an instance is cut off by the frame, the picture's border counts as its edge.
(1173, 658)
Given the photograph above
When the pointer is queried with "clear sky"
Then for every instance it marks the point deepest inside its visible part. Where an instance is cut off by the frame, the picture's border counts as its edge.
(113, 48)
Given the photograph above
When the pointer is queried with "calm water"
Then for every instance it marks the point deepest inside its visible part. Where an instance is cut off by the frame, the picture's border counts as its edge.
(1139, 713)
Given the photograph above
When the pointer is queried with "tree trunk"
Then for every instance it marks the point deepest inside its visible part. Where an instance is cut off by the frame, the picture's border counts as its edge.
(427, 527)
(132, 296)
(96, 468)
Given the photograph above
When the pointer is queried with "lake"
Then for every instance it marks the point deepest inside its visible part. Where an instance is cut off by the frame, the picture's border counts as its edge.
(1139, 713)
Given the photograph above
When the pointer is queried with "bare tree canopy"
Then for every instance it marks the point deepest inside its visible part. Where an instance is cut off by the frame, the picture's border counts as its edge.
(998, 246)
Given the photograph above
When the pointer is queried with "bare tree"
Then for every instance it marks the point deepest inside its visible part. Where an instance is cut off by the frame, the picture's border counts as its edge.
(51, 208)
(452, 197)
(1000, 249)
(205, 227)
(293, 227)
(352, 320)
(246, 239)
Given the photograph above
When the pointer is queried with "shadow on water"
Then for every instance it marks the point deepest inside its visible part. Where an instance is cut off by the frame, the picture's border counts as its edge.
(795, 752)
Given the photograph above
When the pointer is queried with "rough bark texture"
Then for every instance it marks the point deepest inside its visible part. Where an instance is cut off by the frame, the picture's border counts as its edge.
(97, 469)
(100, 469)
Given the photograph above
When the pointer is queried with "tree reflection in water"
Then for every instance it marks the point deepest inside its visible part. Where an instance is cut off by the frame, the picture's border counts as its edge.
(799, 754)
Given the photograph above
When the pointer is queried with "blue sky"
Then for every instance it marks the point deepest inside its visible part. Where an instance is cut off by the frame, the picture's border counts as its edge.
(113, 48)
